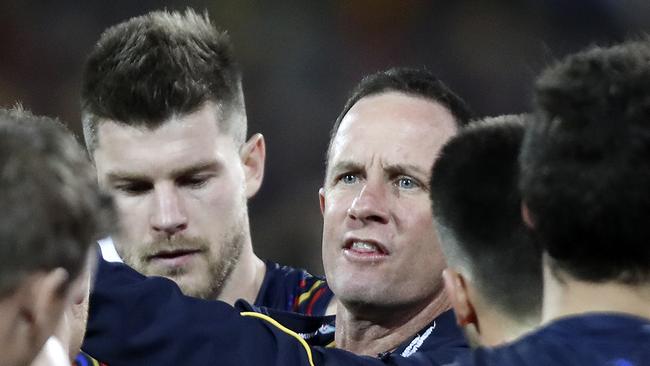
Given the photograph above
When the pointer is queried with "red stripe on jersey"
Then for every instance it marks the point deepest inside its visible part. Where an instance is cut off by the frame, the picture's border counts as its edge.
(314, 299)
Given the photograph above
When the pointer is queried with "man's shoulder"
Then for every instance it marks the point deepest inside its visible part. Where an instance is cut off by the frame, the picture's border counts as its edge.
(293, 289)
(593, 339)
(315, 330)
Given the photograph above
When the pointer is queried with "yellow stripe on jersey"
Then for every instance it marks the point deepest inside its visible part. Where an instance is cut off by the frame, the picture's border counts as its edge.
(284, 329)
(305, 296)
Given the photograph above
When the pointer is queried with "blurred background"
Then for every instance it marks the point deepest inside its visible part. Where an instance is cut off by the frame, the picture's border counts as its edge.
(301, 58)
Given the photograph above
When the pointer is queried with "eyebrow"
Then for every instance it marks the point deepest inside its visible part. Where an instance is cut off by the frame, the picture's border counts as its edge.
(407, 169)
(193, 169)
(345, 165)
(196, 168)
(392, 169)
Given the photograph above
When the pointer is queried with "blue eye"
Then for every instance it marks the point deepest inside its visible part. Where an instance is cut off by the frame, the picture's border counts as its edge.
(349, 178)
(407, 183)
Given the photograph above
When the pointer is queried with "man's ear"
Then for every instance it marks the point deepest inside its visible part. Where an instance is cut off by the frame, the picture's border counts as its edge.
(253, 155)
(42, 299)
(527, 216)
(50, 297)
(457, 290)
(321, 199)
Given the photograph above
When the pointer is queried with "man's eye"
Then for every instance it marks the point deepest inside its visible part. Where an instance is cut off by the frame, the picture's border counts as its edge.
(134, 188)
(407, 183)
(192, 181)
(348, 178)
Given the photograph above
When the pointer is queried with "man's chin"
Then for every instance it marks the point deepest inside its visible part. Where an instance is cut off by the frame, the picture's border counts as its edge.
(186, 281)
(192, 287)
(193, 282)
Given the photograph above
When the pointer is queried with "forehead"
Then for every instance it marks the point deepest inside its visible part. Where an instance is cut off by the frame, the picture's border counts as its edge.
(195, 136)
(396, 127)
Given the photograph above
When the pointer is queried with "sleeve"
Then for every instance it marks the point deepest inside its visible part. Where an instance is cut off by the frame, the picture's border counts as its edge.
(136, 320)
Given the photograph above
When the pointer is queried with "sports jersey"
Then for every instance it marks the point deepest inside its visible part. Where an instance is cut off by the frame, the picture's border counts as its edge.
(319, 331)
(291, 289)
(167, 328)
(283, 287)
(83, 359)
(594, 339)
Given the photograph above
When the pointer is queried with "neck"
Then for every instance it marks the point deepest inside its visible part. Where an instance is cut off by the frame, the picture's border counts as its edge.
(376, 329)
(245, 279)
(497, 328)
(570, 297)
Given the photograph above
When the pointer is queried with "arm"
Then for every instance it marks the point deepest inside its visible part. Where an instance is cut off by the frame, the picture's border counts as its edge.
(136, 320)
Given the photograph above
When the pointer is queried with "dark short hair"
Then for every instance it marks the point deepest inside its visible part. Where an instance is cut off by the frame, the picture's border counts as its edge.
(415, 82)
(149, 68)
(52, 207)
(477, 209)
(586, 164)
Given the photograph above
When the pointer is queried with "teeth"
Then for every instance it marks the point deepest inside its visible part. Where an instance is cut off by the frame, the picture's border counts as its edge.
(363, 246)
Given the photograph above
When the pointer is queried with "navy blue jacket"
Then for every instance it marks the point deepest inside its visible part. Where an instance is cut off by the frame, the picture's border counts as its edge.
(148, 321)
(594, 339)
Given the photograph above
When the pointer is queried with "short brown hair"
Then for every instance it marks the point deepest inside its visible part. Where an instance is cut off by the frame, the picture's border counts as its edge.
(149, 68)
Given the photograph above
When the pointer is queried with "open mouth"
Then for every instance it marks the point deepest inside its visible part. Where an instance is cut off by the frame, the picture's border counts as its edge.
(365, 247)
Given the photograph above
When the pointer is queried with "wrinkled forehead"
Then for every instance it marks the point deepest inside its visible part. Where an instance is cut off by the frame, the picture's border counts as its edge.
(394, 127)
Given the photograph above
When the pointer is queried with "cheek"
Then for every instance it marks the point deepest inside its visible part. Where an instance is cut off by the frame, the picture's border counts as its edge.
(332, 233)
(215, 208)
(329, 238)
(419, 227)
(221, 200)
(429, 256)
(132, 216)
(333, 228)
(130, 207)
(416, 214)
(336, 207)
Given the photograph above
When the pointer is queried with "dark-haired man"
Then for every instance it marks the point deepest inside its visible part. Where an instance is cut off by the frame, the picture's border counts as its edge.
(377, 219)
(494, 278)
(380, 253)
(52, 211)
(585, 175)
(165, 123)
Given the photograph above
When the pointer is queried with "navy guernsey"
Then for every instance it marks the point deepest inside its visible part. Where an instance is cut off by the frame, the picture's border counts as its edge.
(593, 339)
(290, 289)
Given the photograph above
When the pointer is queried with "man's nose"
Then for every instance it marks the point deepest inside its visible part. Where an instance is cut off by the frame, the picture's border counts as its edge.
(370, 204)
(168, 216)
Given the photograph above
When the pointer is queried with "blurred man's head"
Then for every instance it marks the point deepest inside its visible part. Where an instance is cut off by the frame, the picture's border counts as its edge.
(380, 249)
(585, 176)
(494, 277)
(586, 169)
(165, 122)
(53, 211)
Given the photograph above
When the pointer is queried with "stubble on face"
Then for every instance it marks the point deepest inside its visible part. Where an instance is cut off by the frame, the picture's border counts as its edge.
(204, 282)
